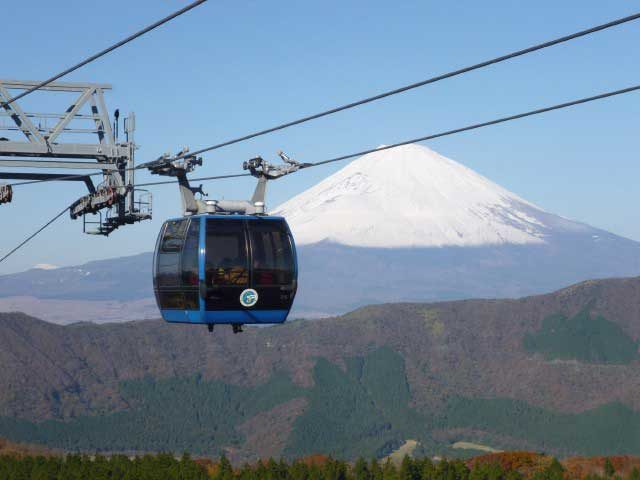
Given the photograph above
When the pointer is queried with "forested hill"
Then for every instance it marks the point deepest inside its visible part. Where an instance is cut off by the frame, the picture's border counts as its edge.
(558, 372)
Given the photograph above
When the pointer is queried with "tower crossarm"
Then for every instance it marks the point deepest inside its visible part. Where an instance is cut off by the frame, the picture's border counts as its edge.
(78, 135)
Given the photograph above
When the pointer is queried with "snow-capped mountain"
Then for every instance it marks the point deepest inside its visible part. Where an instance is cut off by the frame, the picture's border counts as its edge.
(411, 196)
(407, 224)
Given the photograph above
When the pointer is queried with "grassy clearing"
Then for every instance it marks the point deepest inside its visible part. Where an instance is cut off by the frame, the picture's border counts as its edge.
(475, 446)
(407, 448)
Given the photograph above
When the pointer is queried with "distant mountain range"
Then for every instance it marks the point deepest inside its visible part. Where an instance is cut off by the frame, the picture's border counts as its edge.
(405, 224)
(102, 291)
(558, 373)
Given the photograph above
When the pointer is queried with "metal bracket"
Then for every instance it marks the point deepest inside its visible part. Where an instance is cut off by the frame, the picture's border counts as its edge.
(179, 165)
(170, 166)
(264, 171)
(260, 168)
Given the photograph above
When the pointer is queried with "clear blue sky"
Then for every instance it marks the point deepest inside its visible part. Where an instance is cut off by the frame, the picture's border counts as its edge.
(231, 67)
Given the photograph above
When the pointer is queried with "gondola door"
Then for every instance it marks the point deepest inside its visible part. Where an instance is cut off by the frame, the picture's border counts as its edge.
(273, 263)
(226, 270)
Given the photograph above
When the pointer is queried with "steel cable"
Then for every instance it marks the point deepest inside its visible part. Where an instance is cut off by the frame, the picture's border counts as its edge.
(428, 81)
(104, 52)
(26, 240)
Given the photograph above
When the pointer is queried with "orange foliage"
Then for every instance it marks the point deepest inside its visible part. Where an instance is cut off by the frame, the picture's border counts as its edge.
(22, 450)
(317, 459)
(579, 467)
(208, 466)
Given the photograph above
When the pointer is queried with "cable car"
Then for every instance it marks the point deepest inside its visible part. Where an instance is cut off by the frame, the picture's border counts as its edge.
(225, 269)
(224, 261)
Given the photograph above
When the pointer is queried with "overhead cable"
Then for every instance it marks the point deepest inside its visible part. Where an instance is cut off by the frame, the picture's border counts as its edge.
(104, 52)
(218, 177)
(480, 125)
(26, 240)
(428, 81)
(445, 133)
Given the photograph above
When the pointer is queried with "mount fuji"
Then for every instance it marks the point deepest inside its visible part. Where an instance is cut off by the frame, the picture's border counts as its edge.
(408, 224)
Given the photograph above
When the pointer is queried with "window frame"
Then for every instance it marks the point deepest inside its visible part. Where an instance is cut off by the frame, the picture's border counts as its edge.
(292, 252)
(182, 221)
(180, 288)
(190, 221)
(247, 253)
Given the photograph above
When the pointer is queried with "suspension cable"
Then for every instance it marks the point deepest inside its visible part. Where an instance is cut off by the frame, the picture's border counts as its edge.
(103, 52)
(218, 177)
(26, 240)
(480, 125)
(428, 81)
(467, 128)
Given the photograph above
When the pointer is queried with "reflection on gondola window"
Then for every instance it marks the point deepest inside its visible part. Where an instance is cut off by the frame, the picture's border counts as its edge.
(226, 254)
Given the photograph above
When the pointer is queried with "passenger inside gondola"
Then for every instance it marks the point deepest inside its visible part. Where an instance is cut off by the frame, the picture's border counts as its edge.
(226, 260)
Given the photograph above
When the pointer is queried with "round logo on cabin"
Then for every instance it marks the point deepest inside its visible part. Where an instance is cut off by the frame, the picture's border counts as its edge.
(249, 297)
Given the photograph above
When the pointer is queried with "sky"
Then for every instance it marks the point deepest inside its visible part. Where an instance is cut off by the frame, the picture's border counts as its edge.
(228, 68)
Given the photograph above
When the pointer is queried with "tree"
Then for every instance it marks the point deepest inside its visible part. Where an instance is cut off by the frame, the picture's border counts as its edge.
(445, 470)
(361, 470)
(376, 470)
(461, 470)
(225, 470)
(515, 475)
(298, 471)
(634, 474)
(609, 470)
(335, 470)
(428, 470)
(555, 471)
(487, 471)
(389, 471)
(408, 469)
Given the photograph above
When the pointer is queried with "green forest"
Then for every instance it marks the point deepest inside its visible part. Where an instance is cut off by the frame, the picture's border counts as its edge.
(359, 409)
(167, 467)
(584, 337)
(610, 429)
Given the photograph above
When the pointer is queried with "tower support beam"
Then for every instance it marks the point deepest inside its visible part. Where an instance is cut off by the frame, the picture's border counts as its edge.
(46, 142)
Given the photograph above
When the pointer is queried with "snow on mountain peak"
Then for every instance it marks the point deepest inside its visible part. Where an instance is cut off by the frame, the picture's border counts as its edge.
(411, 196)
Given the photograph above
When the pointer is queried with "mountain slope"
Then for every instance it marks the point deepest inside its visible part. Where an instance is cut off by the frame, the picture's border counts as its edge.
(438, 373)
